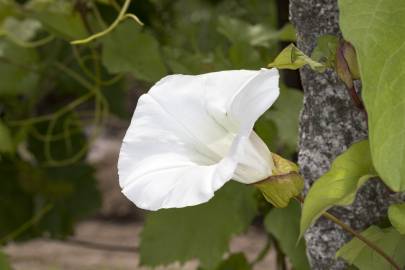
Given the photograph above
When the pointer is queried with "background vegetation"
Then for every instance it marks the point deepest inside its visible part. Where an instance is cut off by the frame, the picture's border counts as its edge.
(55, 98)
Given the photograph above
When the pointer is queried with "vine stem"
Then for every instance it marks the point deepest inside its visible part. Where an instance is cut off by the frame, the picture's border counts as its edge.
(356, 234)
(361, 238)
(121, 16)
(31, 44)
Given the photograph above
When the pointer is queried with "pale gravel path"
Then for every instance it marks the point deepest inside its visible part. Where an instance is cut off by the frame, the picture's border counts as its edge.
(55, 255)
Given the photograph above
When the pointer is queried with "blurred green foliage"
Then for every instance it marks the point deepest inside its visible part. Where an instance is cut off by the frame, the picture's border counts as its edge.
(56, 97)
(236, 261)
(4, 263)
(287, 233)
(201, 231)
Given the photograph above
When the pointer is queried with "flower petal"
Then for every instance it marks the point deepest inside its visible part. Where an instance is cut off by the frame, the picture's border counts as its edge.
(254, 98)
(179, 186)
(238, 110)
(160, 165)
(189, 133)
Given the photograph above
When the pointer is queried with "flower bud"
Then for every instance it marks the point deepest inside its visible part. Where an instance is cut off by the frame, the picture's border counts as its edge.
(342, 67)
(350, 56)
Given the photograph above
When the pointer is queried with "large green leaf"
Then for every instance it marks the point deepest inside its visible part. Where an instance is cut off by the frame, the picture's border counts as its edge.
(389, 240)
(284, 224)
(376, 29)
(339, 185)
(201, 232)
(130, 49)
(396, 214)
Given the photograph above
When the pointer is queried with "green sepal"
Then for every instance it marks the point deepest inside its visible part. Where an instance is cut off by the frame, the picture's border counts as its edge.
(293, 58)
(284, 184)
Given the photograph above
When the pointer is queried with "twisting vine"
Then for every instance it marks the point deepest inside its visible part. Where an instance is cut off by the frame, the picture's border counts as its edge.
(121, 16)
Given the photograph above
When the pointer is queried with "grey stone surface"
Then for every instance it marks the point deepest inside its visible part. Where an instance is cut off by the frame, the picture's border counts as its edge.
(330, 123)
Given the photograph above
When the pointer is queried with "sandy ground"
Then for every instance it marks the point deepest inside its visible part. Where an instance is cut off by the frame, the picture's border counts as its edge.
(42, 254)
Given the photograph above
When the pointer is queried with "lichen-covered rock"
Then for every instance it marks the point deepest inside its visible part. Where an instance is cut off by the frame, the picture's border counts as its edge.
(330, 123)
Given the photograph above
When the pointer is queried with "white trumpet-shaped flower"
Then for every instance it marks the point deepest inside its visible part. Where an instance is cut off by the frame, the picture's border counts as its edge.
(191, 134)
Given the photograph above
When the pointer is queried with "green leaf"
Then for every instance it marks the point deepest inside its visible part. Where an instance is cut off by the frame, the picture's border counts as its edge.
(129, 49)
(287, 33)
(117, 96)
(292, 58)
(396, 214)
(242, 55)
(71, 192)
(278, 127)
(325, 50)
(202, 232)
(4, 263)
(7, 8)
(6, 142)
(59, 18)
(236, 261)
(338, 186)
(285, 114)
(268, 132)
(389, 240)
(375, 28)
(16, 205)
(182, 61)
(18, 69)
(236, 31)
(284, 225)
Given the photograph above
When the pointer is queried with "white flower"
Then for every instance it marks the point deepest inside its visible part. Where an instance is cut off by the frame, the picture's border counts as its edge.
(191, 134)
